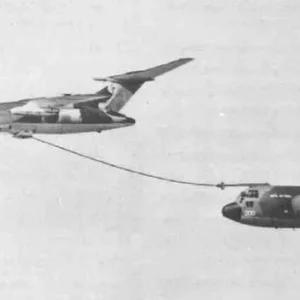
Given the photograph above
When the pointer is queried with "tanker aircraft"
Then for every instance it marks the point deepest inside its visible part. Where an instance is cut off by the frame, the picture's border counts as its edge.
(266, 205)
(77, 113)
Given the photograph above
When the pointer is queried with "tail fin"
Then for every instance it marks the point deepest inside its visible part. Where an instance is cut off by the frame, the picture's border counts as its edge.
(124, 86)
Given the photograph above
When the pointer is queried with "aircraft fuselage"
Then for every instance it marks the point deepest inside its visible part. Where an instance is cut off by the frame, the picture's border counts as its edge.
(267, 206)
(60, 121)
(75, 113)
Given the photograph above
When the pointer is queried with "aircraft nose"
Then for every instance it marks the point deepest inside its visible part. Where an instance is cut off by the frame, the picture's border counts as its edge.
(232, 211)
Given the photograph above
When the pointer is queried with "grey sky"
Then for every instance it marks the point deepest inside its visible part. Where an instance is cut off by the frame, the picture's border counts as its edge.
(71, 229)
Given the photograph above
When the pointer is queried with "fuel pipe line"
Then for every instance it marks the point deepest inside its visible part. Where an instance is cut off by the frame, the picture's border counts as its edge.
(220, 185)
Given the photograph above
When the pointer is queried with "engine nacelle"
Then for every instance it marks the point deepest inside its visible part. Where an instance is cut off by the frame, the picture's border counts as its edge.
(296, 205)
(69, 115)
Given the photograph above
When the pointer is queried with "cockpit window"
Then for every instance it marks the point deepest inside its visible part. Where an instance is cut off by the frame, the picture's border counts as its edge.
(250, 194)
(249, 204)
(253, 194)
(242, 196)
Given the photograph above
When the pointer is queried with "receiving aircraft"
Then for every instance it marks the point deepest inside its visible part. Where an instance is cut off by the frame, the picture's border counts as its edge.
(266, 205)
(77, 113)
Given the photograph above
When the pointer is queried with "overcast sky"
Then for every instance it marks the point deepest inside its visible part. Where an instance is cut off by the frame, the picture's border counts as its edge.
(72, 229)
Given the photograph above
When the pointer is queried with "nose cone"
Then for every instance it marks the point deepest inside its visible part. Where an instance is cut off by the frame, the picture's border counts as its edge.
(232, 211)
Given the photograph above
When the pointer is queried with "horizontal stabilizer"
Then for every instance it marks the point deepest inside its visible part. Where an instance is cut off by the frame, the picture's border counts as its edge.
(123, 86)
(146, 75)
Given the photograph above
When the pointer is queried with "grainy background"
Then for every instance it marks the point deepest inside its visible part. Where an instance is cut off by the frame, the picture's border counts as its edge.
(71, 229)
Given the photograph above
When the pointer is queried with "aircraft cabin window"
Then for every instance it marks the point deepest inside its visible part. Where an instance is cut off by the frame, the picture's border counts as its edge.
(253, 194)
(249, 204)
(249, 194)
(242, 196)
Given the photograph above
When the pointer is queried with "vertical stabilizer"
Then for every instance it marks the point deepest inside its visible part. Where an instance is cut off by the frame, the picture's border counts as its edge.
(122, 87)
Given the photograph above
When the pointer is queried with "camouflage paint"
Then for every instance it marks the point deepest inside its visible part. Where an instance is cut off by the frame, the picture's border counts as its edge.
(273, 207)
(71, 113)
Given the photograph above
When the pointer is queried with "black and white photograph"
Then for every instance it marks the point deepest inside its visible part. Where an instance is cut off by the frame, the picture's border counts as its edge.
(150, 150)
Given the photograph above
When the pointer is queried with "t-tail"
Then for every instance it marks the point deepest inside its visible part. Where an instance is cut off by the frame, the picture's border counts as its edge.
(122, 87)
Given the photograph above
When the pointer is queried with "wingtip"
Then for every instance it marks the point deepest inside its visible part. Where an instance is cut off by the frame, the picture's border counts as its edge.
(186, 59)
(142, 75)
(181, 61)
(104, 79)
